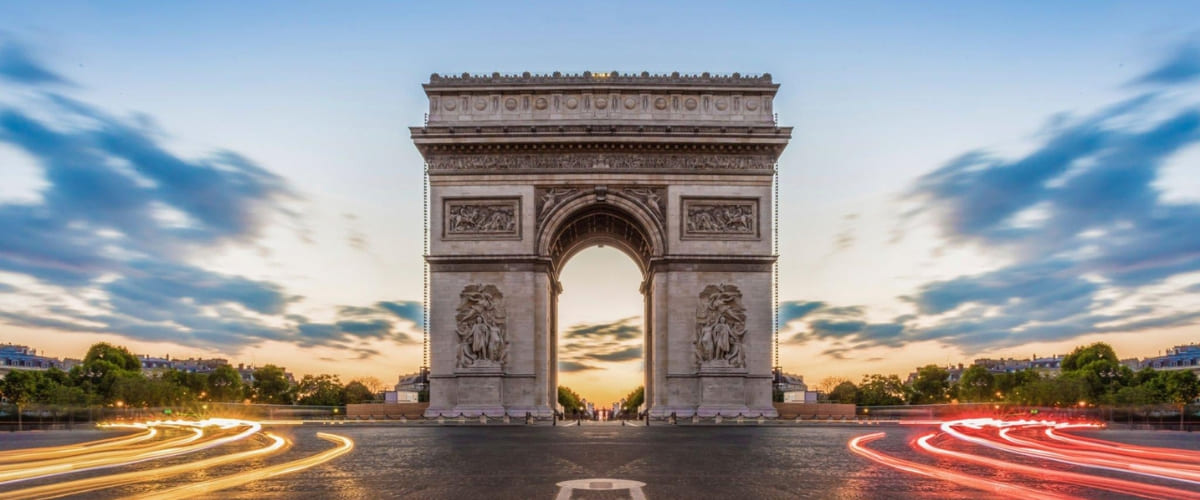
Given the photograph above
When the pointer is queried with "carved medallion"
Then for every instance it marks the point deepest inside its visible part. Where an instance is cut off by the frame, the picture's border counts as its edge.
(720, 328)
(482, 218)
(482, 337)
(720, 218)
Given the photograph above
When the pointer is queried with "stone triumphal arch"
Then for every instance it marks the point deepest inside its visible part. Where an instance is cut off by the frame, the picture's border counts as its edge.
(525, 171)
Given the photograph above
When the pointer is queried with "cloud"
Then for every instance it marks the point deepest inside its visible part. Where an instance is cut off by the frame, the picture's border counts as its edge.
(1182, 66)
(121, 219)
(409, 310)
(7, 288)
(1077, 221)
(589, 345)
(792, 310)
(18, 65)
(354, 237)
(622, 329)
(574, 366)
(617, 356)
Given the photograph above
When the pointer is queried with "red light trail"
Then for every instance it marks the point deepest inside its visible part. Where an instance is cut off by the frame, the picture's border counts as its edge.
(1044, 441)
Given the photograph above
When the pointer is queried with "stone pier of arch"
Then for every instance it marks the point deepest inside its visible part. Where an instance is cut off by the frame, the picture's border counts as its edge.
(675, 171)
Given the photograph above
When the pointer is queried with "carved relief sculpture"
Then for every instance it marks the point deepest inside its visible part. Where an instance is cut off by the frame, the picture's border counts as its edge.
(482, 218)
(548, 198)
(653, 198)
(720, 327)
(720, 218)
(482, 339)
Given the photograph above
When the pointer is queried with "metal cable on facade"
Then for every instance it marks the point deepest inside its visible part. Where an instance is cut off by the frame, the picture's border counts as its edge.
(425, 264)
(775, 242)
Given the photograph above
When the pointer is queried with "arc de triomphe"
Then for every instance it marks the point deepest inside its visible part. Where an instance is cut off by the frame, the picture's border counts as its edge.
(527, 170)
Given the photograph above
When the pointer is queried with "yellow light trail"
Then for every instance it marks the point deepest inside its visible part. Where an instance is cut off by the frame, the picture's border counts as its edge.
(32, 454)
(95, 483)
(17, 472)
(345, 445)
(120, 458)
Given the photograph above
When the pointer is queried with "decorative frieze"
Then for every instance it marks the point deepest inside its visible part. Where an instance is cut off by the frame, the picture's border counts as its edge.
(498, 163)
(481, 218)
(720, 328)
(482, 337)
(720, 218)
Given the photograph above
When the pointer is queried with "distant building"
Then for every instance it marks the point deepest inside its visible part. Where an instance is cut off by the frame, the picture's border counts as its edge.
(1003, 365)
(787, 382)
(20, 357)
(1051, 365)
(197, 365)
(247, 374)
(400, 397)
(1180, 357)
(414, 382)
(154, 366)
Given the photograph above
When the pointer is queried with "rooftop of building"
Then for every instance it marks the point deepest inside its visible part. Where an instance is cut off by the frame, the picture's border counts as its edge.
(606, 79)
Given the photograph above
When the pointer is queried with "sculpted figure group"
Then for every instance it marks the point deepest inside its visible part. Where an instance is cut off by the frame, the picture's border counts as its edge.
(721, 327)
(481, 335)
(473, 218)
(737, 218)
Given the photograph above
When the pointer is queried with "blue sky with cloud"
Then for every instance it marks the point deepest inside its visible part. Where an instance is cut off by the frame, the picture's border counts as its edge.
(235, 180)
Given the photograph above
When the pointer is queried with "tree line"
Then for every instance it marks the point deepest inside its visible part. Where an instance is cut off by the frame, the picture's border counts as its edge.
(111, 375)
(1091, 374)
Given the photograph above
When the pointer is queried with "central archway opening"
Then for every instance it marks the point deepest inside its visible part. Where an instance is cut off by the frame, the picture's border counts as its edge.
(601, 337)
(600, 254)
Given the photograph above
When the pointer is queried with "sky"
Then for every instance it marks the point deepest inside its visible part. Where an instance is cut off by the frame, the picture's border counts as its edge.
(236, 180)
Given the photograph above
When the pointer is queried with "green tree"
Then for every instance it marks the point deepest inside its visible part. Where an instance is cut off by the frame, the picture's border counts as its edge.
(879, 390)
(931, 385)
(1010, 385)
(633, 400)
(1181, 386)
(321, 390)
(271, 386)
(977, 384)
(1083, 355)
(569, 400)
(103, 365)
(191, 386)
(225, 384)
(119, 356)
(357, 392)
(20, 387)
(845, 392)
